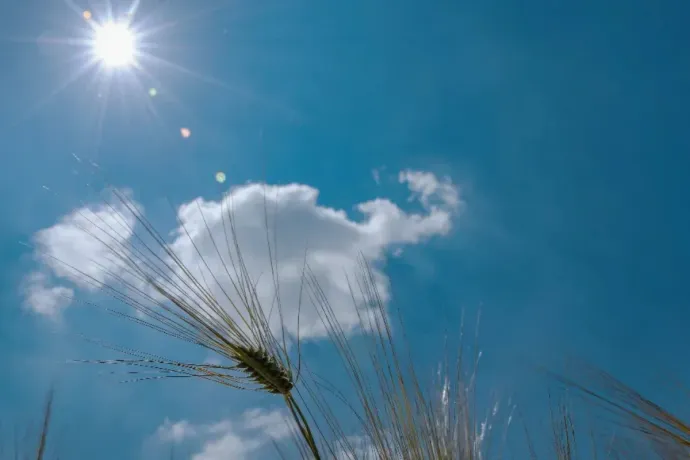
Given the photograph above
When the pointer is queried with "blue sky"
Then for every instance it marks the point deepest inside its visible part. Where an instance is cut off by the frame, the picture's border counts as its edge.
(563, 126)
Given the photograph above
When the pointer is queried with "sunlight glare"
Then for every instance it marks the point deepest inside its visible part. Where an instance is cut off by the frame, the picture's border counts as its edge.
(114, 44)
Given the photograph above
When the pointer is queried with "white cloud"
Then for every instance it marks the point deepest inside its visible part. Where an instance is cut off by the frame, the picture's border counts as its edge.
(272, 423)
(228, 439)
(296, 222)
(79, 248)
(430, 190)
(176, 432)
(229, 445)
(355, 448)
(42, 298)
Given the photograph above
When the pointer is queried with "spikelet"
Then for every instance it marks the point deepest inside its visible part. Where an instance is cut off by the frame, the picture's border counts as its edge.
(264, 370)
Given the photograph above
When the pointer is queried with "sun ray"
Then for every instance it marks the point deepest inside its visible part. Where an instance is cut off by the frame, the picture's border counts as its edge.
(101, 117)
(69, 41)
(192, 17)
(243, 92)
(141, 90)
(122, 47)
(74, 76)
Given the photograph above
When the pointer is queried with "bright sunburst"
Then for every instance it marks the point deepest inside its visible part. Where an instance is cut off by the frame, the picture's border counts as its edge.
(114, 44)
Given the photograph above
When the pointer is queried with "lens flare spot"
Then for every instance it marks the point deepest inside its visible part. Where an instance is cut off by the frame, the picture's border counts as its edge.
(86, 15)
(153, 92)
(220, 177)
(185, 132)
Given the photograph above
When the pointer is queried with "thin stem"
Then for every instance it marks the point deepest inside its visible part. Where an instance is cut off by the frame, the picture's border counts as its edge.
(303, 425)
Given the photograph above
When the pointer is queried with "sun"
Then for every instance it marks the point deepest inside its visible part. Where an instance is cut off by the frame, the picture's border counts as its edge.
(115, 44)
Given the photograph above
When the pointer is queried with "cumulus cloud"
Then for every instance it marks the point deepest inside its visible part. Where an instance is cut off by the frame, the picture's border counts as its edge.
(288, 218)
(297, 223)
(225, 439)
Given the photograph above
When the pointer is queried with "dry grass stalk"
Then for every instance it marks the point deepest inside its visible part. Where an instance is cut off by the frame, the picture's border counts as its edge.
(399, 419)
(668, 436)
(563, 430)
(14, 451)
(45, 426)
(170, 298)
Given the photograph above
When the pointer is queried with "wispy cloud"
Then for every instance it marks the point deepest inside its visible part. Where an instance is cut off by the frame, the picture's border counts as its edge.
(376, 175)
(43, 298)
(79, 248)
(430, 190)
(176, 432)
